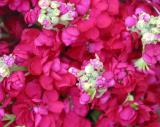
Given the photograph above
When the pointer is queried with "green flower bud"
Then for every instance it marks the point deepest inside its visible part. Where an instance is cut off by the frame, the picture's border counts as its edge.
(87, 86)
(54, 4)
(92, 81)
(89, 69)
(41, 18)
(84, 78)
(66, 17)
(148, 38)
(43, 11)
(141, 64)
(44, 3)
(95, 74)
(134, 106)
(155, 30)
(4, 69)
(92, 93)
(130, 97)
(54, 12)
(141, 24)
(154, 21)
(54, 20)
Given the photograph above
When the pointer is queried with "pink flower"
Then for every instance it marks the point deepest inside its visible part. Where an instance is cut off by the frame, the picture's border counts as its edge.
(120, 75)
(65, 81)
(83, 6)
(84, 99)
(35, 66)
(31, 16)
(127, 115)
(55, 68)
(105, 122)
(19, 5)
(50, 96)
(70, 35)
(103, 20)
(130, 21)
(15, 83)
(152, 54)
(45, 38)
(22, 110)
(36, 89)
(73, 120)
(94, 33)
(9, 60)
(53, 104)
(78, 53)
(46, 82)
(72, 103)
(113, 7)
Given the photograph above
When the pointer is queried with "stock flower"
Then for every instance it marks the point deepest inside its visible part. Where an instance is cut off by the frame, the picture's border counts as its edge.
(83, 6)
(44, 38)
(127, 115)
(90, 80)
(19, 5)
(73, 120)
(70, 35)
(53, 13)
(50, 78)
(15, 83)
(151, 54)
(120, 75)
(72, 103)
(31, 16)
(130, 21)
(105, 122)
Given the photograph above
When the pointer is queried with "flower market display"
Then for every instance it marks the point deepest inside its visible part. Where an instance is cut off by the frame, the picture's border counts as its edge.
(79, 63)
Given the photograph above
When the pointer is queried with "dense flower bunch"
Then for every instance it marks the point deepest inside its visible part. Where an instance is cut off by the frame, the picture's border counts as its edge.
(79, 63)
(54, 12)
(91, 81)
(149, 28)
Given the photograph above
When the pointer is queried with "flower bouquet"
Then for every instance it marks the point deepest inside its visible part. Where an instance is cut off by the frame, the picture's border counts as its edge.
(79, 63)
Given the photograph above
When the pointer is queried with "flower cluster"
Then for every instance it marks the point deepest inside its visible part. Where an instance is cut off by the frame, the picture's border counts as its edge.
(79, 63)
(6, 62)
(53, 13)
(91, 82)
(148, 27)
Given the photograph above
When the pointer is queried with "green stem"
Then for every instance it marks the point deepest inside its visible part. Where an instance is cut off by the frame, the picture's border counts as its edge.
(10, 118)
(18, 68)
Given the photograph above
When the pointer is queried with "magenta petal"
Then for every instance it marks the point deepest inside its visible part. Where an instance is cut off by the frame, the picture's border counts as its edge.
(46, 82)
(56, 107)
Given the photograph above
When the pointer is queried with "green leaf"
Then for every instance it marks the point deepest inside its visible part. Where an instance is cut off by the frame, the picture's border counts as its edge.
(94, 115)
(141, 64)
(10, 118)
(100, 92)
(134, 106)
(92, 93)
